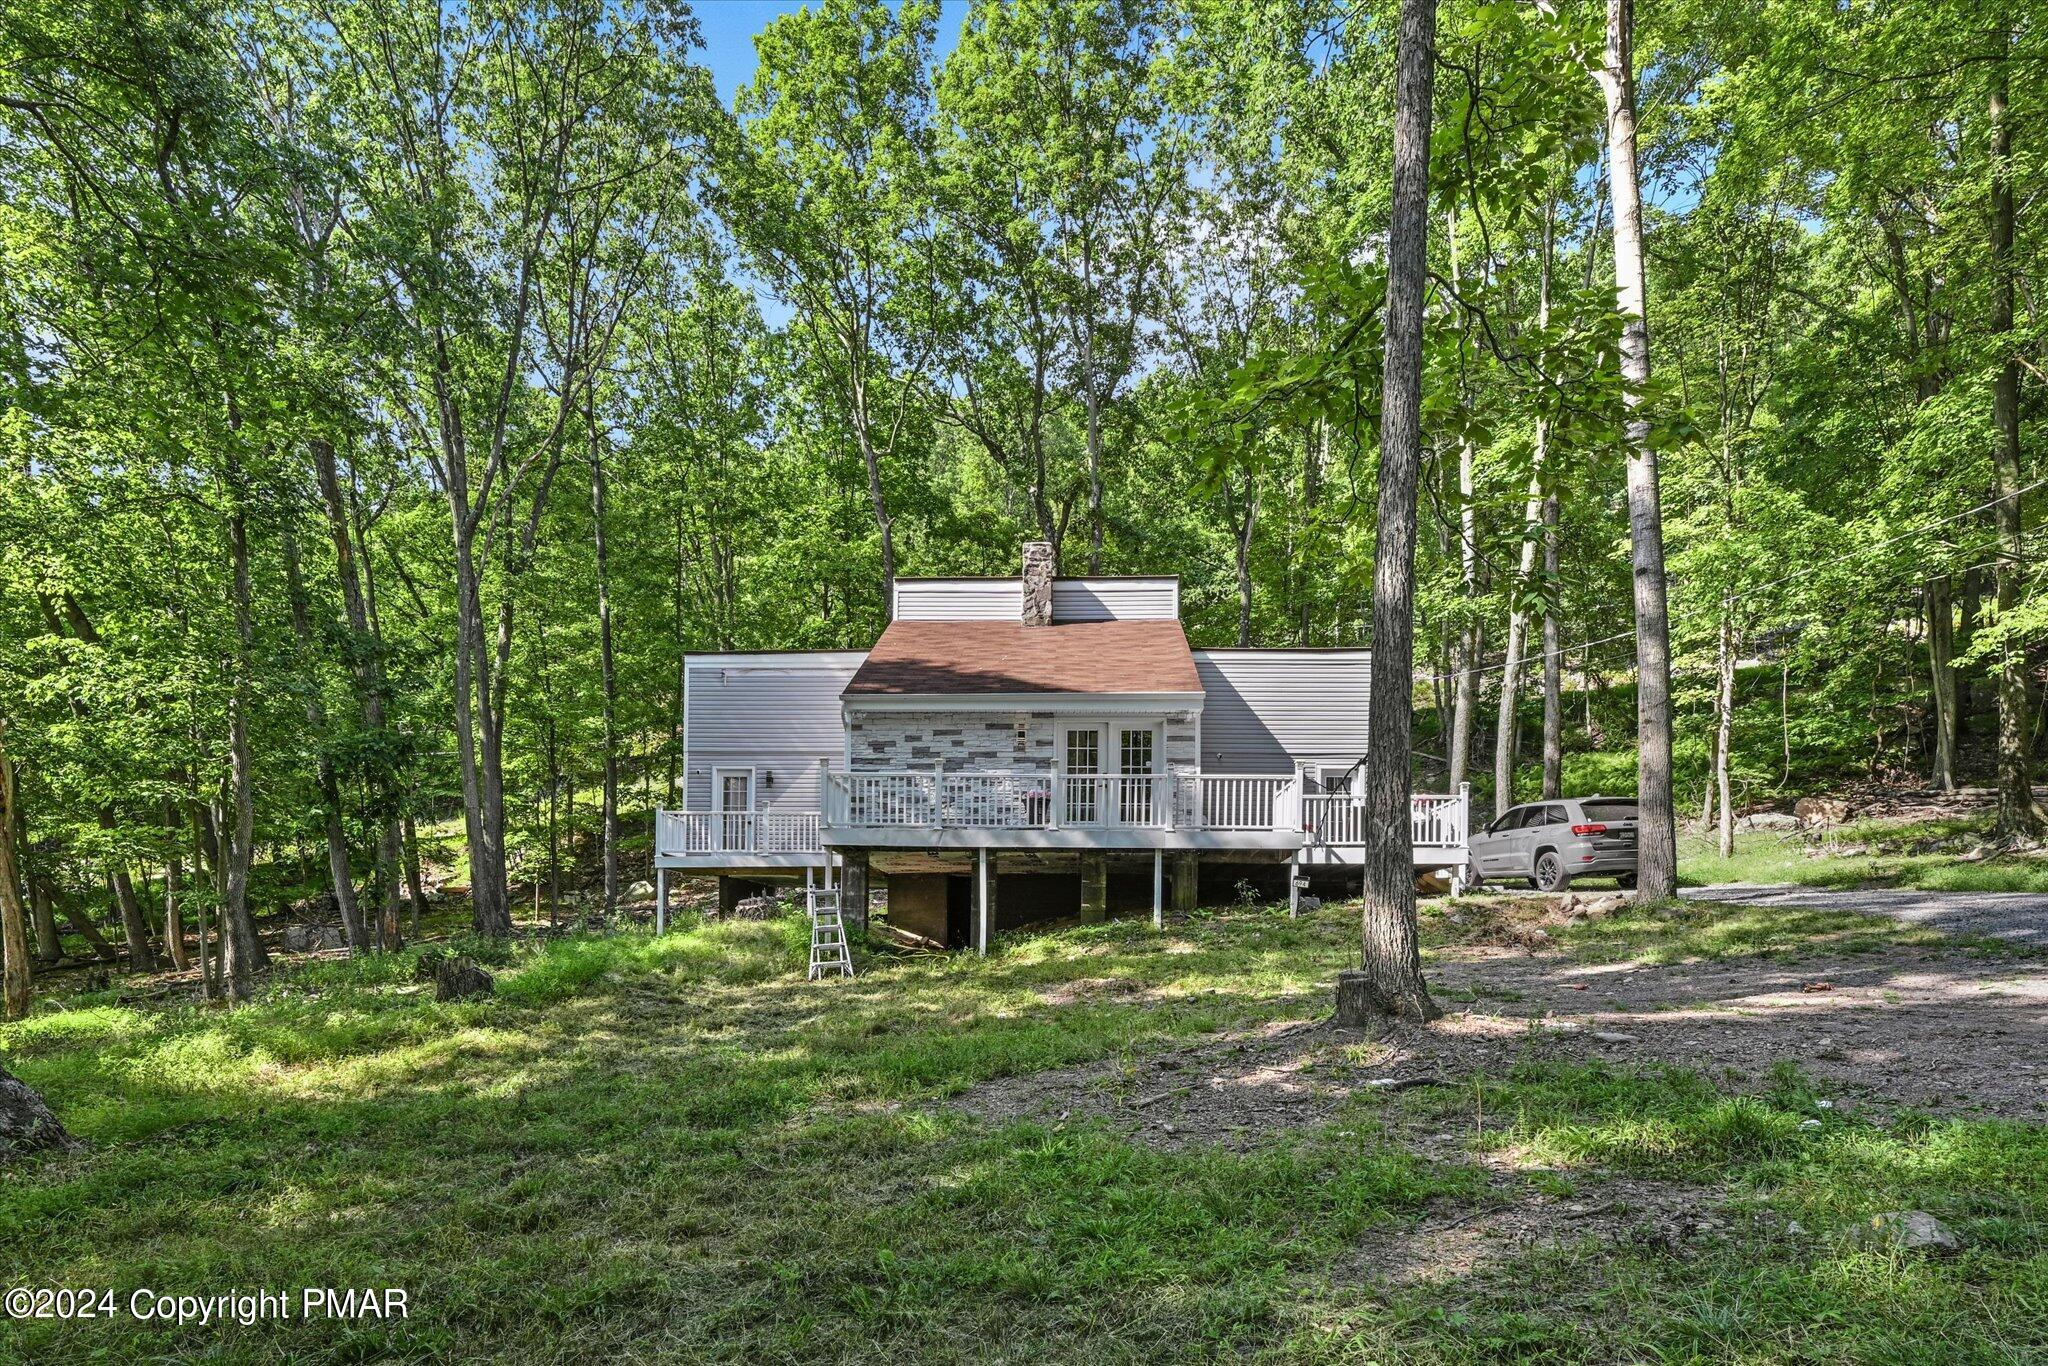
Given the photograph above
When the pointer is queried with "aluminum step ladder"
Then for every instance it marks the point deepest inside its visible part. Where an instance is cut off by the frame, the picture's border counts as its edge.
(829, 955)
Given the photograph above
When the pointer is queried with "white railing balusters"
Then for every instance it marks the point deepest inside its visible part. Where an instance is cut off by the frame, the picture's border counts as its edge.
(1040, 800)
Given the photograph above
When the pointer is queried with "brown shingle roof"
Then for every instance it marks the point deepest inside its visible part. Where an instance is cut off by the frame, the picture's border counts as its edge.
(917, 657)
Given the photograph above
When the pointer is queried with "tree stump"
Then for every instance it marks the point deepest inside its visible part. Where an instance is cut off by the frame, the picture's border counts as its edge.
(1357, 1007)
(26, 1124)
(460, 979)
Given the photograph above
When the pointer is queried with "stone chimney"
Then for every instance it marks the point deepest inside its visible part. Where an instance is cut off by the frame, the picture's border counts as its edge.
(1038, 568)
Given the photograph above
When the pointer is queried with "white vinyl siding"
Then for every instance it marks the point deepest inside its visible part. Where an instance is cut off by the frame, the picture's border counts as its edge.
(776, 714)
(959, 599)
(1115, 600)
(1148, 599)
(1266, 710)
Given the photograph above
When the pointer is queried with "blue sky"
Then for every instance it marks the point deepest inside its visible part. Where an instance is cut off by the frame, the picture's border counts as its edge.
(729, 27)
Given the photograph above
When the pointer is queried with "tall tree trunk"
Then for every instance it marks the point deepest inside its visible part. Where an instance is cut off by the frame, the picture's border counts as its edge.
(885, 528)
(1472, 639)
(49, 943)
(174, 893)
(415, 885)
(1507, 730)
(242, 952)
(340, 876)
(1553, 663)
(2016, 814)
(607, 674)
(672, 743)
(1942, 670)
(1656, 826)
(1724, 726)
(1392, 977)
(1247, 522)
(488, 911)
(14, 978)
(366, 667)
(134, 926)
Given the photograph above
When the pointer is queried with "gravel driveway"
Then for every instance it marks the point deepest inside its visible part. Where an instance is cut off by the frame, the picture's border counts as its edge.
(2021, 917)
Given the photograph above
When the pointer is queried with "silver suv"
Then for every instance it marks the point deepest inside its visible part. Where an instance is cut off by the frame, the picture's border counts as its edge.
(1550, 843)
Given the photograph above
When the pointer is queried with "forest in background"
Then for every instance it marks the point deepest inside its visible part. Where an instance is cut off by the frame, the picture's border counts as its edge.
(393, 393)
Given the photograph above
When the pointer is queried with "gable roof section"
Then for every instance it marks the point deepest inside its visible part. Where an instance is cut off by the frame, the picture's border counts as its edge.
(924, 658)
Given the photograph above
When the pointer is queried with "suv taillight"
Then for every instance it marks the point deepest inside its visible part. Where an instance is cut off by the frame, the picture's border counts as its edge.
(1589, 830)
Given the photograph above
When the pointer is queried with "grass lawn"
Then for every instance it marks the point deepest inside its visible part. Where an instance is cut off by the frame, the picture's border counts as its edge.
(674, 1148)
(1930, 855)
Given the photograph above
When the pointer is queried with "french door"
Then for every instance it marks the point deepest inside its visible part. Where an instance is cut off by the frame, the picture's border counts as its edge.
(1109, 771)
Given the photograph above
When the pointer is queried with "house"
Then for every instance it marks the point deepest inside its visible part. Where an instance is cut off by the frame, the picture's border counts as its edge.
(1018, 749)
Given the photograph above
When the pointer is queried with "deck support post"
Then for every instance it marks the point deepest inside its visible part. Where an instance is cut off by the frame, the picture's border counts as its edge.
(1186, 876)
(984, 895)
(1094, 888)
(660, 900)
(1158, 889)
(1293, 887)
(853, 885)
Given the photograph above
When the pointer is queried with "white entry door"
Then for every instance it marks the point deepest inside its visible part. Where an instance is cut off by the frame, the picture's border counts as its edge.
(732, 795)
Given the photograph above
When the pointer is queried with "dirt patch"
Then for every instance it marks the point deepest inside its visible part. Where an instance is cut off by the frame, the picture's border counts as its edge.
(1455, 1243)
(1943, 1032)
(1092, 989)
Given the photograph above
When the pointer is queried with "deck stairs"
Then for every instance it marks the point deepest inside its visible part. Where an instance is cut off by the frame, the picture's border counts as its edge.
(829, 954)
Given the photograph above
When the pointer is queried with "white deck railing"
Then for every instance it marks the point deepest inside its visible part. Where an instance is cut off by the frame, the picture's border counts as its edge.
(1024, 800)
(736, 832)
(1436, 820)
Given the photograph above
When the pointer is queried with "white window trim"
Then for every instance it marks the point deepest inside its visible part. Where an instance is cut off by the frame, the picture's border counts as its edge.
(719, 772)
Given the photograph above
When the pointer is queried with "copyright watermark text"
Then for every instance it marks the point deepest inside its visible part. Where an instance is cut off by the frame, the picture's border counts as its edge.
(244, 1307)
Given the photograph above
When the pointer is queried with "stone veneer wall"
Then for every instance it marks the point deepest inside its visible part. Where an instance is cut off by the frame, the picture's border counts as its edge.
(977, 741)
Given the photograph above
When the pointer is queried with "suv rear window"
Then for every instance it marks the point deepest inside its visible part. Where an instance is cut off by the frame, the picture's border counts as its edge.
(1609, 811)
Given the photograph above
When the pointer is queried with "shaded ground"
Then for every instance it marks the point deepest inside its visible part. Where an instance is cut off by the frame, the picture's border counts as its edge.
(1943, 1031)
(1937, 1030)
(2019, 917)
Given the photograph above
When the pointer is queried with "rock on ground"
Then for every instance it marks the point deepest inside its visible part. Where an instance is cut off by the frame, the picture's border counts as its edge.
(460, 979)
(26, 1124)
(307, 938)
(640, 891)
(1912, 1229)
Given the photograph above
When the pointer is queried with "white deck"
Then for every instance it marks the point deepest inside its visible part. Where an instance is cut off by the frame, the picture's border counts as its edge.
(1031, 810)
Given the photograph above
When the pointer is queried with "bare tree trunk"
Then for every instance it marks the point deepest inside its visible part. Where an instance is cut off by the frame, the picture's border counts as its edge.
(340, 876)
(174, 888)
(415, 886)
(2017, 816)
(14, 978)
(368, 671)
(242, 952)
(49, 943)
(1724, 727)
(1656, 829)
(872, 459)
(1507, 729)
(607, 674)
(1246, 523)
(1472, 639)
(1942, 670)
(134, 927)
(1392, 981)
(1553, 664)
